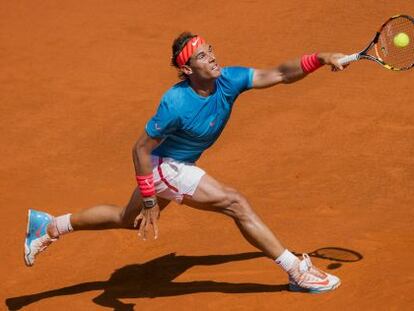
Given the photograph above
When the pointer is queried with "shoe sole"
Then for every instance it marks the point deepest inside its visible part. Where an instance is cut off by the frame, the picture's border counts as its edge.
(26, 249)
(296, 288)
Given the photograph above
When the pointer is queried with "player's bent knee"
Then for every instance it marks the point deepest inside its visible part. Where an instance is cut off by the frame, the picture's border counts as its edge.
(238, 206)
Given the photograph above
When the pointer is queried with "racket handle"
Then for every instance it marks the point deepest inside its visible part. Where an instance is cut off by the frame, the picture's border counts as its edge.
(348, 59)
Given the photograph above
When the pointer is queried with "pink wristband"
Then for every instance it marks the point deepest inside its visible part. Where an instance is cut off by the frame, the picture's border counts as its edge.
(310, 63)
(146, 185)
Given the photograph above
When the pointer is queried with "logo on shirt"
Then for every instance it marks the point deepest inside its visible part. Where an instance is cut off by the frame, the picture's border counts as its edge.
(212, 123)
(157, 127)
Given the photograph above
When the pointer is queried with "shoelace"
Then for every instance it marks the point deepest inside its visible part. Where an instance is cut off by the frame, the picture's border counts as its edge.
(44, 242)
(312, 269)
(310, 272)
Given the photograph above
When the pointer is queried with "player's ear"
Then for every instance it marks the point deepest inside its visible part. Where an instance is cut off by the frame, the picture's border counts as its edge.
(186, 69)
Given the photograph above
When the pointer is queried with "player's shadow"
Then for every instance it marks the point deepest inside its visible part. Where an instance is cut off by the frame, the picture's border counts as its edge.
(153, 279)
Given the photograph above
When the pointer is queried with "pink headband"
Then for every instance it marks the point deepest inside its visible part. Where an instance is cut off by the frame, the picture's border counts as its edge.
(188, 50)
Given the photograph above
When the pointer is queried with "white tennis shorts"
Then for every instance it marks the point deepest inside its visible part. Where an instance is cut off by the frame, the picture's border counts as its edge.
(174, 179)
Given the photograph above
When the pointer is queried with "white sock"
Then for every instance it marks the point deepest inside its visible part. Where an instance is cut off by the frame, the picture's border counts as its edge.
(287, 260)
(63, 224)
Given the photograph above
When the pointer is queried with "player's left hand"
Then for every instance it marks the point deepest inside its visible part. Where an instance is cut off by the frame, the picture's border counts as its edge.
(147, 217)
(332, 59)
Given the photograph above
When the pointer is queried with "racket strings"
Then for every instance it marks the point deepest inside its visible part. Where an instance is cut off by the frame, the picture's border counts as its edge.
(385, 49)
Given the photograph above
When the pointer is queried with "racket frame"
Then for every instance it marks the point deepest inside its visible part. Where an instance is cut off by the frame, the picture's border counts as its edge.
(363, 54)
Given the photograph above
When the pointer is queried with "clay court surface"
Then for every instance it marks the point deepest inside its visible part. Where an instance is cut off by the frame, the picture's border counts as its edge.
(326, 162)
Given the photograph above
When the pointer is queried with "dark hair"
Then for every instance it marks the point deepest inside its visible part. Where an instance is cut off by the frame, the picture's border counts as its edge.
(177, 46)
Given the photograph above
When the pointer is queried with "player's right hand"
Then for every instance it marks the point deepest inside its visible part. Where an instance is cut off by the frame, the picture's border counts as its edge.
(147, 217)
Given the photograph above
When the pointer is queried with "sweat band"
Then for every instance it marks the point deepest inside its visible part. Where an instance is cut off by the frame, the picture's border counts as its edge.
(146, 185)
(188, 50)
(310, 63)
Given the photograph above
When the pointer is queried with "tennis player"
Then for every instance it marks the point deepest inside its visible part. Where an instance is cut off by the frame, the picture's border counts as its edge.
(190, 118)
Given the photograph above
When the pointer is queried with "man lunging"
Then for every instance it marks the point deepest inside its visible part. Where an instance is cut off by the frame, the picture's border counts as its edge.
(190, 118)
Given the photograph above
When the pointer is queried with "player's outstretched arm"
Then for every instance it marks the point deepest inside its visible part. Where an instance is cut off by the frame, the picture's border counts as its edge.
(295, 70)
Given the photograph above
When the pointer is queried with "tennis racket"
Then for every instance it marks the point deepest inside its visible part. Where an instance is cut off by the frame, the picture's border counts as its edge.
(386, 49)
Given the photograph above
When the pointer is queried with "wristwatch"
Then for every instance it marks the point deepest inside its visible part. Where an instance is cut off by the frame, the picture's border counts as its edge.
(149, 202)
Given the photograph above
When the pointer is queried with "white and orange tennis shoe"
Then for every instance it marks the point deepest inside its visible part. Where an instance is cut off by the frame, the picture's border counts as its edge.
(37, 238)
(305, 277)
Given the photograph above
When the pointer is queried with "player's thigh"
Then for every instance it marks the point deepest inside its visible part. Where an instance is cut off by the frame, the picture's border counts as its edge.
(211, 195)
(132, 209)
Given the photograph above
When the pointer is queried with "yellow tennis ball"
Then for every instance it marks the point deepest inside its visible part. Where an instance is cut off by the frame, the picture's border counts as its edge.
(401, 40)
